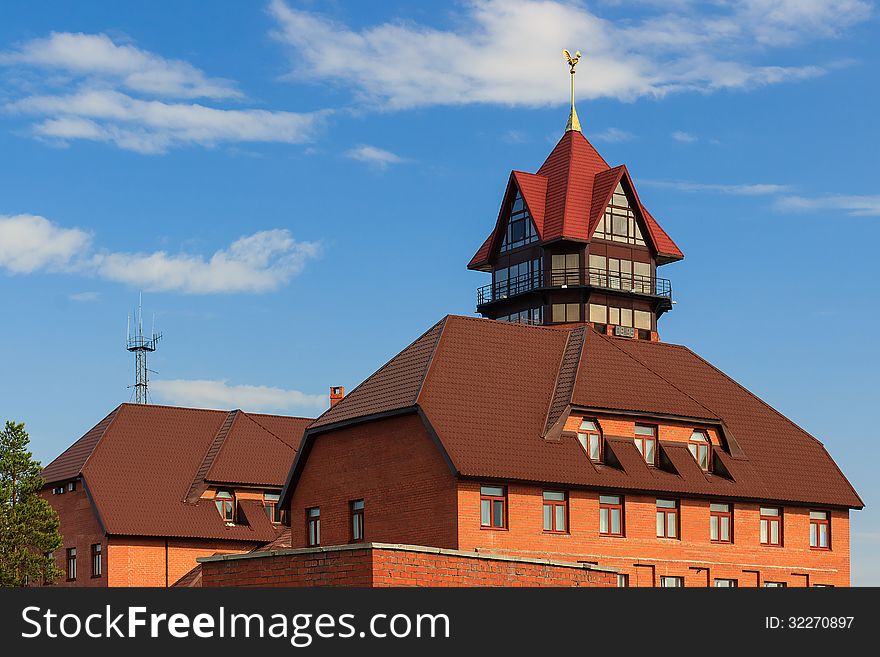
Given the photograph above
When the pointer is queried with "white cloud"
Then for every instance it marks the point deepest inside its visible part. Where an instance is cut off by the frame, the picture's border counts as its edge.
(97, 56)
(99, 90)
(852, 205)
(684, 137)
(84, 296)
(747, 189)
(375, 157)
(612, 135)
(508, 51)
(29, 243)
(206, 393)
(260, 262)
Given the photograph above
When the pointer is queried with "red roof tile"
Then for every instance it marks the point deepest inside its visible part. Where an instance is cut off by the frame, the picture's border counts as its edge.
(490, 387)
(142, 462)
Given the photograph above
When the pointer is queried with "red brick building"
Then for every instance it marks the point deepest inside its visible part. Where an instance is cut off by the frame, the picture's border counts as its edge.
(567, 430)
(151, 488)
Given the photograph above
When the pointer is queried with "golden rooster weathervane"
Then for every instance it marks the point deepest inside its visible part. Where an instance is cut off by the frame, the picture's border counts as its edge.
(573, 122)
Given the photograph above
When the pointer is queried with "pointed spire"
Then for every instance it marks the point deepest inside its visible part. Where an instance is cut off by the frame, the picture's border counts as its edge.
(573, 122)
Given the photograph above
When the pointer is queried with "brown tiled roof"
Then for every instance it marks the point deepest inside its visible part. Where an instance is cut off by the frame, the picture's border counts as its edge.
(490, 386)
(142, 463)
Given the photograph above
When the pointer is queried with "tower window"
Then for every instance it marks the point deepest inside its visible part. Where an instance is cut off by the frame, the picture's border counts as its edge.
(646, 442)
(820, 530)
(619, 224)
(493, 507)
(590, 438)
(699, 448)
(565, 269)
(566, 312)
(225, 502)
(520, 227)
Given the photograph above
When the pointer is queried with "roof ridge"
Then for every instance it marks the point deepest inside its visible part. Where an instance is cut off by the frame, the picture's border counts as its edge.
(430, 362)
(198, 483)
(176, 408)
(269, 431)
(109, 418)
(278, 415)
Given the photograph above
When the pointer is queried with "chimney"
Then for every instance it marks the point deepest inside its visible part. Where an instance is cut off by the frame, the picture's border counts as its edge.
(336, 393)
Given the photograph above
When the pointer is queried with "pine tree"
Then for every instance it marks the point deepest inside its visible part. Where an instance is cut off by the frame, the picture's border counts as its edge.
(28, 523)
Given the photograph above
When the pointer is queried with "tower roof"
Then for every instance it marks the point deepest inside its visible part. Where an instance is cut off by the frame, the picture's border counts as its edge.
(567, 196)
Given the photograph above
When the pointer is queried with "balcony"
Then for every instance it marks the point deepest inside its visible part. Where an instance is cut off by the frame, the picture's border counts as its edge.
(647, 286)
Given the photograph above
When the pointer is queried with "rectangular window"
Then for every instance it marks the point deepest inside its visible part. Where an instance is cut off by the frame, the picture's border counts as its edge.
(646, 442)
(771, 526)
(71, 486)
(622, 580)
(97, 569)
(357, 520)
(555, 512)
(671, 582)
(493, 507)
(58, 490)
(598, 314)
(225, 502)
(273, 509)
(721, 523)
(667, 519)
(643, 319)
(725, 583)
(774, 585)
(610, 515)
(820, 530)
(313, 526)
(590, 439)
(71, 564)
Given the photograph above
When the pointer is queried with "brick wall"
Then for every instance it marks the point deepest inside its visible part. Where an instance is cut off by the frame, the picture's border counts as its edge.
(393, 465)
(141, 561)
(79, 529)
(382, 565)
(744, 560)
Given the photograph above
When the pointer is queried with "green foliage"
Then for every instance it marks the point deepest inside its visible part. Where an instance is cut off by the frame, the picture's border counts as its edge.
(28, 523)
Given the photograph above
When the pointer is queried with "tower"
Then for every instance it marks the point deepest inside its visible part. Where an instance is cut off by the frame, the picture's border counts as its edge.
(574, 244)
(140, 345)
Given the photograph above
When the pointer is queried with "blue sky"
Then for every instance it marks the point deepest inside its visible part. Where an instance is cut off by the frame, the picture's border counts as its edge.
(297, 187)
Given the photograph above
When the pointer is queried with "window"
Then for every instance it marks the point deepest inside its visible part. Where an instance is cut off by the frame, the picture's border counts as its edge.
(820, 530)
(699, 447)
(493, 507)
(71, 486)
(520, 227)
(667, 519)
(96, 560)
(774, 585)
(555, 512)
(619, 223)
(590, 438)
(517, 278)
(610, 515)
(71, 564)
(643, 319)
(313, 526)
(598, 314)
(671, 582)
(566, 312)
(771, 526)
(225, 502)
(273, 509)
(725, 583)
(58, 490)
(622, 581)
(721, 523)
(565, 269)
(646, 442)
(357, 520)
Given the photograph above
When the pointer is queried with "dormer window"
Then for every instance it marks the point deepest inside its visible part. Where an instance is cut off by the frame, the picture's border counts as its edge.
(699, 447)
(646, 442)
(520, 227)
(590, 438)
(225, 502)
(273, 509)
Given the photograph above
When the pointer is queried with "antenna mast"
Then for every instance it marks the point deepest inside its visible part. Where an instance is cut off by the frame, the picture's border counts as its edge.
(141, 345)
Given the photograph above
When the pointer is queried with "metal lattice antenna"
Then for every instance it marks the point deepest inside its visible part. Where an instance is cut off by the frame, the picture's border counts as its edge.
(141, 345)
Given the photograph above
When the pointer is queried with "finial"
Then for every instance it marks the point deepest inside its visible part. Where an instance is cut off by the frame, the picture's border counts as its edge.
(573, 123)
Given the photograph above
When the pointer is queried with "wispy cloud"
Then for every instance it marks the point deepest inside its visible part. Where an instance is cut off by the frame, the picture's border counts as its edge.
(84, 296)
(684, 137)
(612, 135)
(260, 262)
(378, 158)
(852, 205)
(207, 393)
(100, 90)
(665, 49)
(744, 189)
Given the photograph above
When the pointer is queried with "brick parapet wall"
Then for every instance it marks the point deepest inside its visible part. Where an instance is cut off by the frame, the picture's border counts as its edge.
(384, 565)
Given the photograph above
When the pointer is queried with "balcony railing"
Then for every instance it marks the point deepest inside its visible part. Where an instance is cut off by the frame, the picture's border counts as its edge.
(560, 278)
